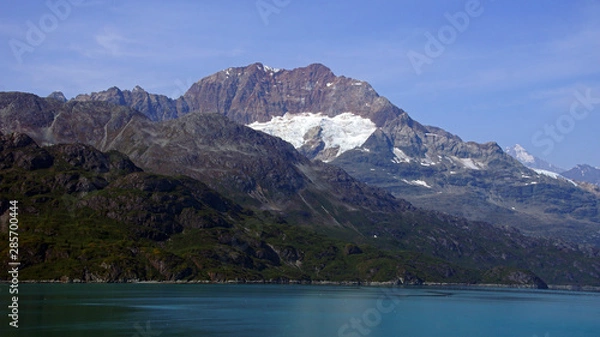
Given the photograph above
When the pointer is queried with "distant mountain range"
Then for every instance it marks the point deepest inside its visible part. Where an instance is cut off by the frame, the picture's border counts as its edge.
(531, 161)
(585, 173)
(580, 173)
(307, 148)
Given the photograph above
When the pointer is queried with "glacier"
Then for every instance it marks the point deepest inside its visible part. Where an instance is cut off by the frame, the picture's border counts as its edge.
(345, 131)
(554, 175)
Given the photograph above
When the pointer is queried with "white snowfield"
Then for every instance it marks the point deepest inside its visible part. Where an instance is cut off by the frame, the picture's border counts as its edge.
(345, 131)
(271, 69)
(348, 131)
(421, 183)
(470, 163)
(553, 175)
(401, 157)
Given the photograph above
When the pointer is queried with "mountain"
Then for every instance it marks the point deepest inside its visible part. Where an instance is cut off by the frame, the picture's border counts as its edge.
(344, 122)
(585, 173)
(155, 107)
(260, 173)
(258, 93)
(59, 96)
(91, 216)
(520, 153)
(248, 166)
(580, 173)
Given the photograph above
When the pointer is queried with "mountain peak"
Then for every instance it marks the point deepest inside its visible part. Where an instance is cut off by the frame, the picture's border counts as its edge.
(59, 96)
(259, 93)
(265, 68)
(313, 68)
(584, 172)
(316, 68)
(521, 154)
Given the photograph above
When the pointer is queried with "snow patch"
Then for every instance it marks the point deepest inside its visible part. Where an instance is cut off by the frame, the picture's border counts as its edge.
(270, 69)
(420, 183)
(547, 173)
(427, 161)
(329, 84)
(417, 183)
(401, 157)
(469, 163)
(345, 131)
(553, 175)
(267, 68)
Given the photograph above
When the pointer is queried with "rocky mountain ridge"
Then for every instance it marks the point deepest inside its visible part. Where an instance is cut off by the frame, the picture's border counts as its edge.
(236, 160)
(318, 196)
(345, 122)
(582, 175)
(585, 173)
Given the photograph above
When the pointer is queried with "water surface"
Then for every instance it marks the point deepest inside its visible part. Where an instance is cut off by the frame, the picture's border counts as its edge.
(144, 310)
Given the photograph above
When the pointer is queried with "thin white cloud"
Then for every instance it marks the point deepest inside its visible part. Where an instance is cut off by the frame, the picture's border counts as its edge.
(560, 98)
(561, 59)
(112, 42)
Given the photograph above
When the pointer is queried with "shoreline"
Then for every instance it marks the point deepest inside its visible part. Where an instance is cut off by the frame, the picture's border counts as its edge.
(551, 287)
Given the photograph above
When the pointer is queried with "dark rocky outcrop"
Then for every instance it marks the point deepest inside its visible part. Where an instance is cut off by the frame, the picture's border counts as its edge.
(511, 276)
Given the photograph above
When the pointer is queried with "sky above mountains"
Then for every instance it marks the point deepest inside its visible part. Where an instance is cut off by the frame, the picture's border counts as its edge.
(504, 71)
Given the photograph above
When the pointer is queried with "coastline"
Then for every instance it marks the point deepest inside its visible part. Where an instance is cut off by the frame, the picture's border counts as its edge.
(551, 287)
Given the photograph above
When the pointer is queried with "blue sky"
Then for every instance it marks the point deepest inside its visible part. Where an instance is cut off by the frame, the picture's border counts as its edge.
(508, 71)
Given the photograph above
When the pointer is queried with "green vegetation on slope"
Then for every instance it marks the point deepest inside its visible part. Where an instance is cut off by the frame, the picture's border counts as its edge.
(92, 216)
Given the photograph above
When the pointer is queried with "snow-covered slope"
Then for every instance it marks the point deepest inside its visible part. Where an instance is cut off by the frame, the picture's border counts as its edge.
(520, 153)
(553, 175)
(339, 134)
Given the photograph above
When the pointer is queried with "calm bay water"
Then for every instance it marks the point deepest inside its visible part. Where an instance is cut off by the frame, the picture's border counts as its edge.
(144, 310)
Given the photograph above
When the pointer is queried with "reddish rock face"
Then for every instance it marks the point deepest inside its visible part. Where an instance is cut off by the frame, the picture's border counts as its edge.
(257, 93)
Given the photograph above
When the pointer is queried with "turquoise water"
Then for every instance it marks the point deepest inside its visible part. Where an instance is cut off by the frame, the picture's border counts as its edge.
(144, 310)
